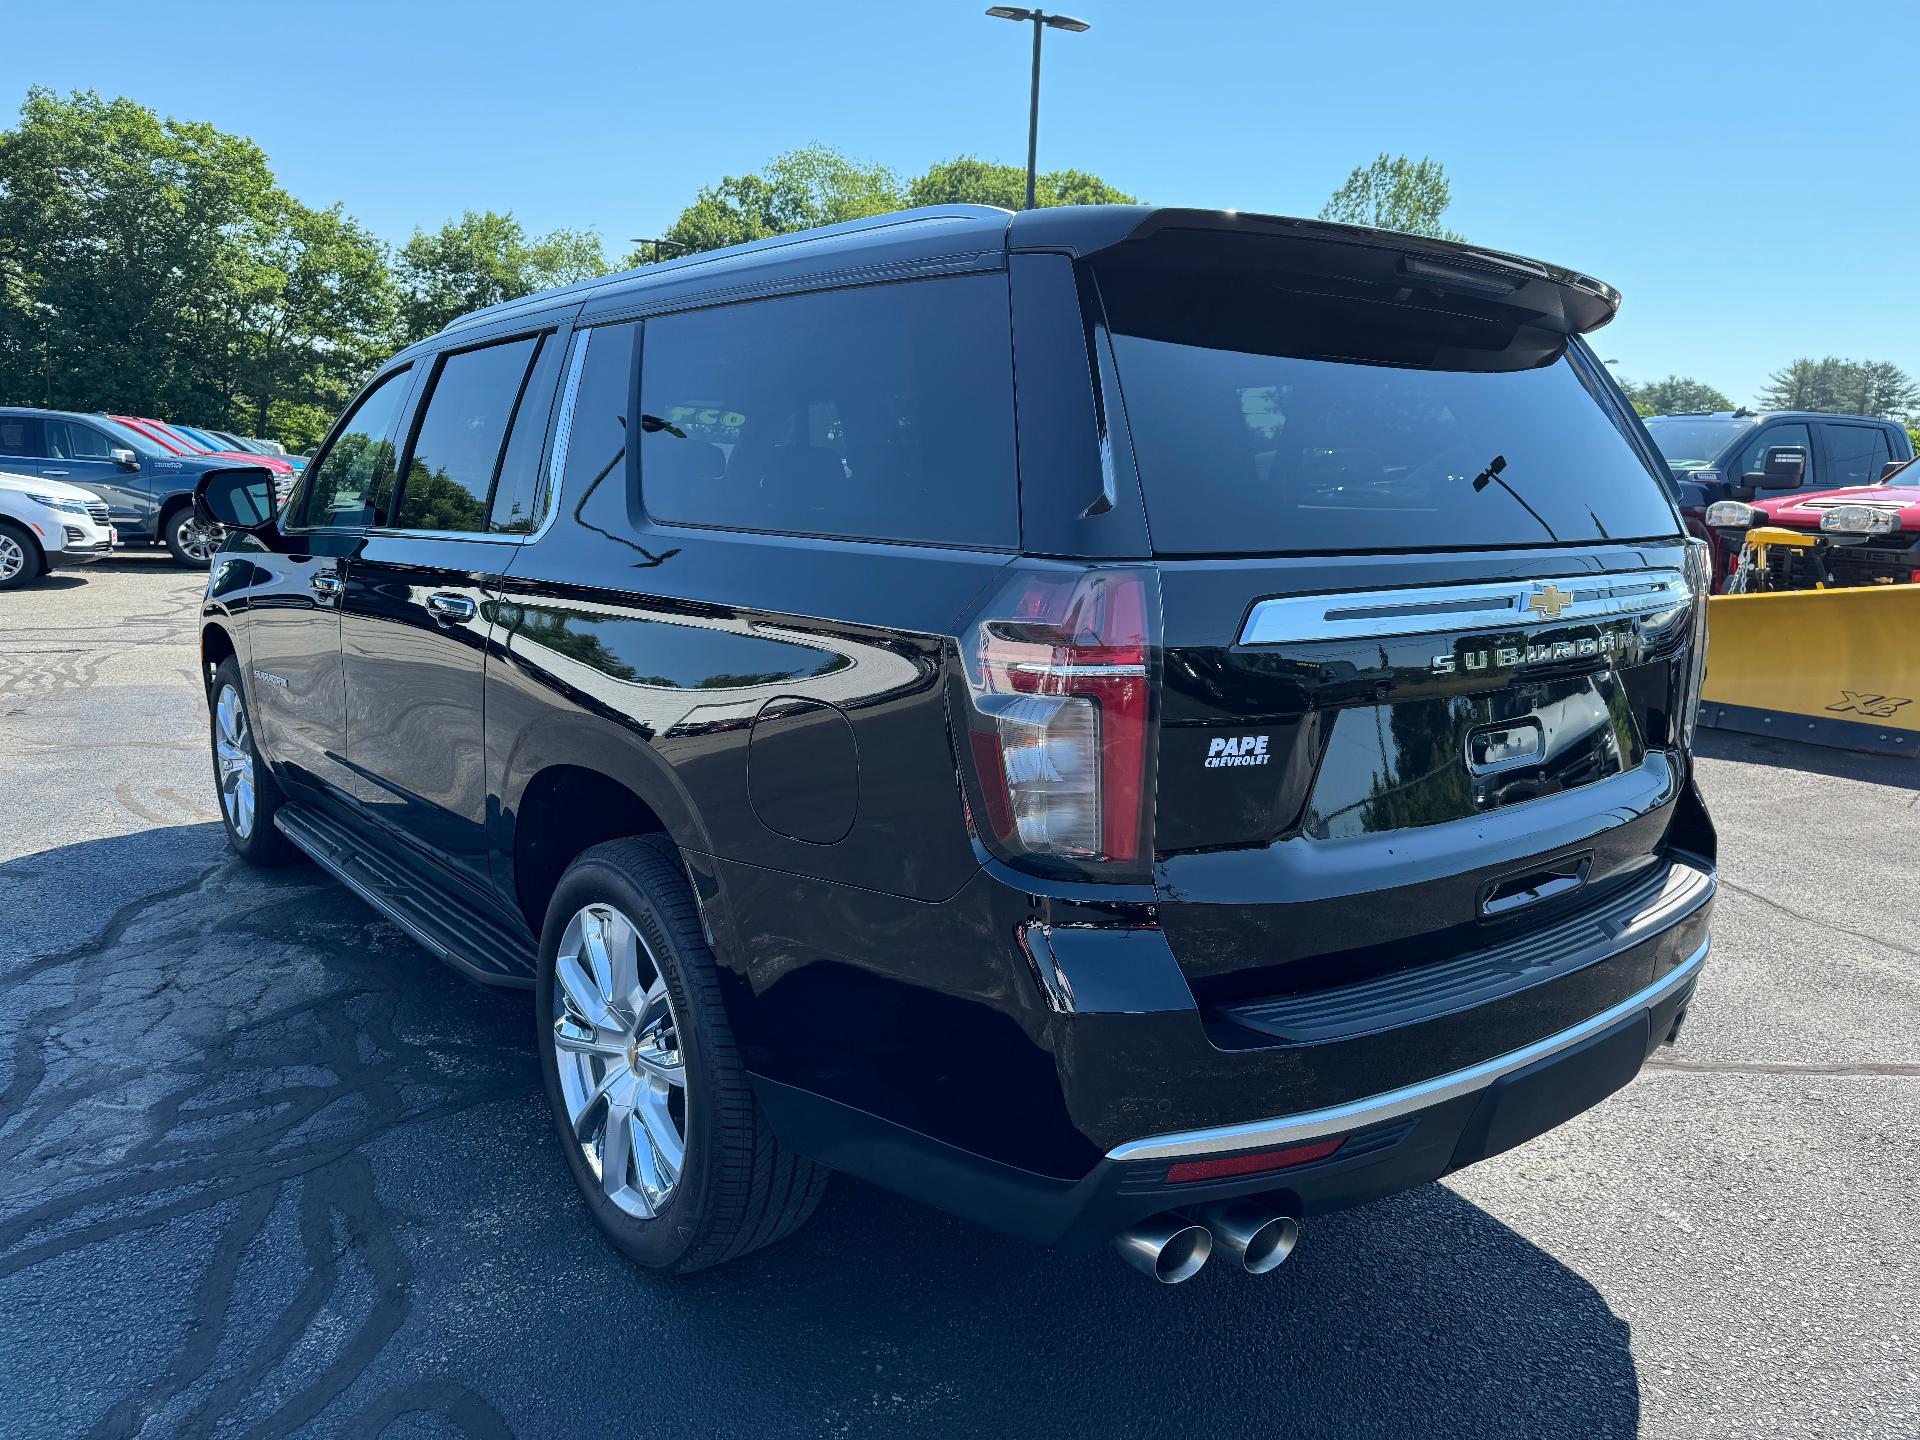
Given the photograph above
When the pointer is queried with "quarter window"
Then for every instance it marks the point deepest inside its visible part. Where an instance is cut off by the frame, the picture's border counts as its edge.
(880, 413)
(22, 435)
(349, 483)
(461, 436)
(1855, 454)
(519, 497)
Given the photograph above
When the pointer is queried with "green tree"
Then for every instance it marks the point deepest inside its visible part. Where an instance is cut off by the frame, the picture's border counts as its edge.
(154, 265)
(1675, 395)
(1395, 193)
(311, 315)
(485, 258)
(797, 190)
(1848, 387)
(967, 180)
(123, 238)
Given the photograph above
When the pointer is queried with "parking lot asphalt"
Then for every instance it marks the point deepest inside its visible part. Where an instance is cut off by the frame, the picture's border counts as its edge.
(267, 1168)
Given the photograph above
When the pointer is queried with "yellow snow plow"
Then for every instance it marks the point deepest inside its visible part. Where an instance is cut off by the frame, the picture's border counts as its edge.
(1833, 667)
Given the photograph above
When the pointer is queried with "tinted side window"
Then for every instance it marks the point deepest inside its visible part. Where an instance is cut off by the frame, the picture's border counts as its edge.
(519, 497)
(348, 484)
(590, 440)
(69, 441)
(460, 437)
(882, 413)
(1770, 436)
(1855, 454)
(22, 435)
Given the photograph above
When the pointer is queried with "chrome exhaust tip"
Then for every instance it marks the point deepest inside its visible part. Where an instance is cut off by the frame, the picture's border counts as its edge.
(1170, 1248)
(1261, 1239)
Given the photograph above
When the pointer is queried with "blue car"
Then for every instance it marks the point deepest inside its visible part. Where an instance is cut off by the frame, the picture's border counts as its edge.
(148, 489)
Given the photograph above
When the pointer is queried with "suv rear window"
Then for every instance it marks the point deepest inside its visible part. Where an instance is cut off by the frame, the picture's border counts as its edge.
(1266, 420)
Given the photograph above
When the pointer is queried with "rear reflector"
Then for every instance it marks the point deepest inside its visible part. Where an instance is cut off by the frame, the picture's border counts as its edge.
(1188, 1171)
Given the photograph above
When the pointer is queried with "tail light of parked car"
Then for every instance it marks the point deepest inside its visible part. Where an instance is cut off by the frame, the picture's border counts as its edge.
(1060, 674)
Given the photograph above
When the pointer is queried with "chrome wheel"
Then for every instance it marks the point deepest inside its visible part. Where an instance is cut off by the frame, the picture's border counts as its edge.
(233, 759)
(617, 1047)
(13, 558)
(196, 541)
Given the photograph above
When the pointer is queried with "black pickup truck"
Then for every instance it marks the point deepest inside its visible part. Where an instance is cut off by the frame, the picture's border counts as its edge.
(1769, 455)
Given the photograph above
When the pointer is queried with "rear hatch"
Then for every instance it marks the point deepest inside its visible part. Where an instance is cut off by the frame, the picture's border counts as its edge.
(1427, 618)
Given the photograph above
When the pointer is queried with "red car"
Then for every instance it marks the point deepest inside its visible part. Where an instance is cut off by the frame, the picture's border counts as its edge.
(167, 437)
(1865, 534)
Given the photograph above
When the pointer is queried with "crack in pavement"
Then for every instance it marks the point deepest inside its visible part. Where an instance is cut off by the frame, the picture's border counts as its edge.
(1773, 904)
(242, 1111)
(1783, 1067)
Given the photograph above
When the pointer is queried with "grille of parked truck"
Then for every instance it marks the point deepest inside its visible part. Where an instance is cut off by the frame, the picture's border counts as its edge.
(1129, 725)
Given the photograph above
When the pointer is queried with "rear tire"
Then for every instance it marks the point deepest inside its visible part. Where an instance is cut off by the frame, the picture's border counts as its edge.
(249, 797)
(639, 1062)
(185, 540)
(21, 562)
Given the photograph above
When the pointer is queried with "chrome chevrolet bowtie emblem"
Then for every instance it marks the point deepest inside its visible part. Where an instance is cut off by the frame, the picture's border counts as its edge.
(1549, 600)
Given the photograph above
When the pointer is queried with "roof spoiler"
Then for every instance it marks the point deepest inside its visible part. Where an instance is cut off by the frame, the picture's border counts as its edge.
(1555, 299)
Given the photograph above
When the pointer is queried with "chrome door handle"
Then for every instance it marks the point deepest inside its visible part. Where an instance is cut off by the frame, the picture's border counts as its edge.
(51, 473)
(326, 586)
(450, 608)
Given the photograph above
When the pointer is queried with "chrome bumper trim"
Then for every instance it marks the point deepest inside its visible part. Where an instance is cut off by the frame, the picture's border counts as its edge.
(1375, 1109)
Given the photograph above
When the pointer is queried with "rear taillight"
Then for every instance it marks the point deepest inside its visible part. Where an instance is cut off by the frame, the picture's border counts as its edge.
(1700, 581)
(1059, 673)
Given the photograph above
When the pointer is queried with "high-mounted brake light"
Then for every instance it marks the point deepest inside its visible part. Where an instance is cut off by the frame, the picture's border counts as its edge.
(1060, 731)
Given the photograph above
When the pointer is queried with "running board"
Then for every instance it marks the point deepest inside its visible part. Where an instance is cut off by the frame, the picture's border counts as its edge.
(446, 926)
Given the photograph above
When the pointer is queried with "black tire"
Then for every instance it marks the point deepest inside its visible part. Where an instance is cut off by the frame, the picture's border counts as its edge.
(177, 529)
(260, 842)
(33, 563)
(738, 1188)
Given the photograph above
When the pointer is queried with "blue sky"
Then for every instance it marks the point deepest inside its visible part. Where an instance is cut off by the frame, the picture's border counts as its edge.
(1746, 174)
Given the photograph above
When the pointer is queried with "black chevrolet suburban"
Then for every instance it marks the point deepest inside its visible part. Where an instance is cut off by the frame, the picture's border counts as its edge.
(1129, 725)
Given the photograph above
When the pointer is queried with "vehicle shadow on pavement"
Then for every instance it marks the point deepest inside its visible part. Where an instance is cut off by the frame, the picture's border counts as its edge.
(263, 1162)
(1899, 771)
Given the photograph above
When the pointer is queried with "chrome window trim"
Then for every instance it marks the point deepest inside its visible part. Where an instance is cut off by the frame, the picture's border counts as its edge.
(498, 537)
(1375, 1109)
(562, 433)
(1451, 609)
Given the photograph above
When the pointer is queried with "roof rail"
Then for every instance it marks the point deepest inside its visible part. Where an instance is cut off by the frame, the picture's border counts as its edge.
(581, 289)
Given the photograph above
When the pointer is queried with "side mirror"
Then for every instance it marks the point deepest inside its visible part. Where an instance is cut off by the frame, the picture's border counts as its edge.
(124, 458)
(1785, 467)
(236, 499)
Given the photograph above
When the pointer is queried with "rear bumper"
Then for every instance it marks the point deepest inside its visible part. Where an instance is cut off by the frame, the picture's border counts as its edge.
(1389, 1142)
(1049, 1093)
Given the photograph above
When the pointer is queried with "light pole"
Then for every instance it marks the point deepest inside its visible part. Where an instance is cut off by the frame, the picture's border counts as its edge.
(660, 248)
(1039, 18)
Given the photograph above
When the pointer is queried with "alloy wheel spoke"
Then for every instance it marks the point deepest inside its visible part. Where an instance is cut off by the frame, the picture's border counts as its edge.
(623, 961)
(582, 994)
(656, 1168)
(616, 1151)
(572, 1040)
(595, 1109)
